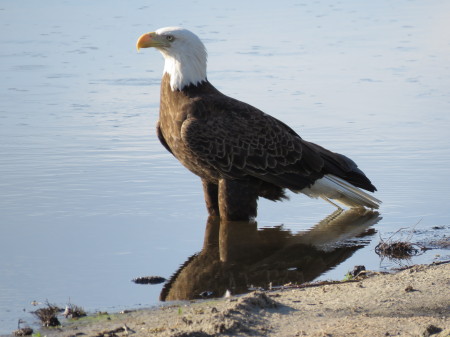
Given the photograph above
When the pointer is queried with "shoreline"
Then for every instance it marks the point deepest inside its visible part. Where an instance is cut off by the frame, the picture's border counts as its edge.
(411, 302)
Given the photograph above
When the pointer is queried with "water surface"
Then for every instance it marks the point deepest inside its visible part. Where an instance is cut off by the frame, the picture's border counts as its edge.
(90, 199)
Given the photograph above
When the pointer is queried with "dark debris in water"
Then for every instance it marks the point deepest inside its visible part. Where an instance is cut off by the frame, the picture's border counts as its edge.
(439, 243)
(404, 249)
(47, 315)
(149, 280)
(74, 311)
(23, 332)
(398, 249)
(358, 270)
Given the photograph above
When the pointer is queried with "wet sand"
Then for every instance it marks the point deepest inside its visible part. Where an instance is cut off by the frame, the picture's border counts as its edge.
(411, 302)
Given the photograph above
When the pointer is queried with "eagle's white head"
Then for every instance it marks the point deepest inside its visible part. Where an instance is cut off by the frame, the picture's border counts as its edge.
(185, 55)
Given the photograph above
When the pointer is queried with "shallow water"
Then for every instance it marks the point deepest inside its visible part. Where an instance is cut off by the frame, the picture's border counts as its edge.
(90, 199)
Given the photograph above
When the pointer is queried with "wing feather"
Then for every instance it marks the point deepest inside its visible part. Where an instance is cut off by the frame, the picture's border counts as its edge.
(239, 140)
(161, 138)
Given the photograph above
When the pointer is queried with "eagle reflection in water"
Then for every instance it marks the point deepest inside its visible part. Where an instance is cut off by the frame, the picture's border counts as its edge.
(237, 256)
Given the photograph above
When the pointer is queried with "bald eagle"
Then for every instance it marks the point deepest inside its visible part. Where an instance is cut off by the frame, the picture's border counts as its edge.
(239, 152)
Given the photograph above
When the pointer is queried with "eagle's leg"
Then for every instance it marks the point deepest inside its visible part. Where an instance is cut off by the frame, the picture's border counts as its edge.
(237, 200)
(211, 192)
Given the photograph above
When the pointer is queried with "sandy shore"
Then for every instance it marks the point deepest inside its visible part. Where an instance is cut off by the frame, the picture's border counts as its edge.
(412, 302)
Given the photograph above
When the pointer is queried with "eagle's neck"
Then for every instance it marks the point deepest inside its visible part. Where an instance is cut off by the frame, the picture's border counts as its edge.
(185, 69)
(184, 95)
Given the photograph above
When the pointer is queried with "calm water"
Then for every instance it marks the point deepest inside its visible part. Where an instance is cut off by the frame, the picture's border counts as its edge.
(90, 199)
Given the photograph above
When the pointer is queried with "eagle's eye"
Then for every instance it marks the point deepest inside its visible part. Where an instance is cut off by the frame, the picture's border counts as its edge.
(170, 38)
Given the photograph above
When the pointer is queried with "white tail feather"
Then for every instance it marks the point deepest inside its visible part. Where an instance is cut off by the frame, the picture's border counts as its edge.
(332, 187)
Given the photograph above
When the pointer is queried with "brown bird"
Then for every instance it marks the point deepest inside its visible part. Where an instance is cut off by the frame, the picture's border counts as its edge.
(239, 152)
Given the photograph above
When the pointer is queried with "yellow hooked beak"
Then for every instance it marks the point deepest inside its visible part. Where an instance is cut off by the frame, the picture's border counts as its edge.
(148, 40)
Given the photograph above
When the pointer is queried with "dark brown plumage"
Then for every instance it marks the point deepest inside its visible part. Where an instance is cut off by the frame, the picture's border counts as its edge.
(241, 153)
